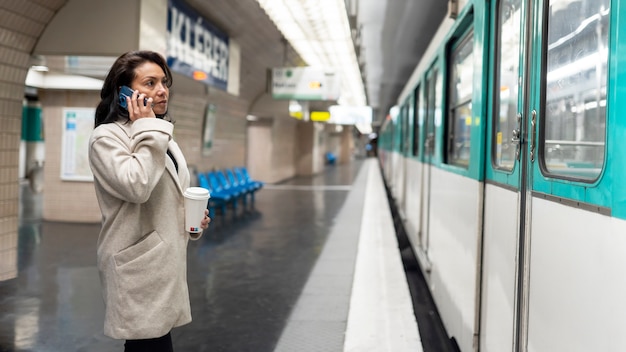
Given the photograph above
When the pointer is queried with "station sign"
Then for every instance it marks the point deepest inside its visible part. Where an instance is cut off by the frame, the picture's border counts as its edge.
(195, 47)
(305, 83)
(320, 116)
(350, 115)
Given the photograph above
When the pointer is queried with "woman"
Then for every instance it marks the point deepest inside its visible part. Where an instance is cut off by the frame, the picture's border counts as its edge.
(140, 175)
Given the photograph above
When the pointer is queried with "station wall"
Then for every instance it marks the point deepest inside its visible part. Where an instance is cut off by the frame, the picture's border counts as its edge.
(142, 24)
(23, 21)
(27, 29)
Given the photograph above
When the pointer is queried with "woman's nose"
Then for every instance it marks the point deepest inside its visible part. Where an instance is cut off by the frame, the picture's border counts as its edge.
(162, 89)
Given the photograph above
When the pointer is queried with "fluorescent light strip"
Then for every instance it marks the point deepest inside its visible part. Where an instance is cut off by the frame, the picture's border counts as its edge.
(319, 31)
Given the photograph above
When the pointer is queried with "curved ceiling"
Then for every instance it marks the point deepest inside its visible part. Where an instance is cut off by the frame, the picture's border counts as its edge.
(394, 35)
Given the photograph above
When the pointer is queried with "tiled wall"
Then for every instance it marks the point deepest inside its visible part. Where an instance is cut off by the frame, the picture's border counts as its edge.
(273, 142)
(285, 145)
(347, 147)
(73, 201)
(21, 25)
(341, 142)
(11, 95)
(22, 22)
(188, 114)
(272, 148)
(229, 137)
(230, 131)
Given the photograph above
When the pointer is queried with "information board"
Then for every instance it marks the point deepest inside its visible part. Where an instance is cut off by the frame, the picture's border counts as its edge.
(305, 83)
(78, 124)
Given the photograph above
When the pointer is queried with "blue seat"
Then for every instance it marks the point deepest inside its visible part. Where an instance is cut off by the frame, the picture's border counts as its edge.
(238, 186)
(227, 187)
(220, 193)
(225, 192)
(246, 176)
(331, 158)
(203, 181)
(252, 185)
(216, 200)
(233, 189)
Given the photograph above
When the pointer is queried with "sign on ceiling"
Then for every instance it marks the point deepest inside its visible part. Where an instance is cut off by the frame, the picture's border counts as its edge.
(305, 83)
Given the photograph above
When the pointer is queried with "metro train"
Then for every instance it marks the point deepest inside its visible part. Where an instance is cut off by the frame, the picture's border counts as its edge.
(504, 157)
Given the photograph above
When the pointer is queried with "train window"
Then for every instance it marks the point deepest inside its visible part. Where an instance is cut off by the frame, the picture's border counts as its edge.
(460, 87)
(417, 107)
(507, 93)
(432, 110)
(405, 129)
(575, 84)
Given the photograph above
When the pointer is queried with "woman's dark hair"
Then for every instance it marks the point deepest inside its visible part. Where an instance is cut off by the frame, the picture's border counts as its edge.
(122, 73)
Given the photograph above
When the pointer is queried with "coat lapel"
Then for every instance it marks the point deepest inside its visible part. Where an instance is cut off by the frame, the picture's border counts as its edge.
(182, 177)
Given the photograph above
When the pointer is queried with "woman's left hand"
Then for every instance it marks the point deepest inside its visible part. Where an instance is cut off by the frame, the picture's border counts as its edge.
(204, 224)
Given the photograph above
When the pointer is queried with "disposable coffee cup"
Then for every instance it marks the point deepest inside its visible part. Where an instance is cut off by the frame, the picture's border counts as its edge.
(196, 200)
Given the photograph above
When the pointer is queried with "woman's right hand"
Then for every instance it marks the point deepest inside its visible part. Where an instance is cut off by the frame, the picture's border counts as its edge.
(136, 107)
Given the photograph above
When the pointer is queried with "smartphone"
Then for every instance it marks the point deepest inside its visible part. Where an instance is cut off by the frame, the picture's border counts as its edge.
(126, 91)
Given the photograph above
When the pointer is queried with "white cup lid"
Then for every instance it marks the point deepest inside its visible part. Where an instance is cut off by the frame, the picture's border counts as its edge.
(197, 193)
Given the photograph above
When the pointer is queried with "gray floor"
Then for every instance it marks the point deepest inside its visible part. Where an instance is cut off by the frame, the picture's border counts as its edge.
(245, 274)
(319, 319)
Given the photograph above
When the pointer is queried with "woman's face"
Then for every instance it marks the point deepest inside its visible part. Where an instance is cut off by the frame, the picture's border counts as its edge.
(151, 81)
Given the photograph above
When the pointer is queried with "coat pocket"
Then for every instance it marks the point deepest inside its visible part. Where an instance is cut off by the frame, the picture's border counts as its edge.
(145, 245)
(150, 288)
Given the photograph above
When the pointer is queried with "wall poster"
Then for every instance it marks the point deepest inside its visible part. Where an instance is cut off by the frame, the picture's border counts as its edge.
(209, 129)
(78, 124)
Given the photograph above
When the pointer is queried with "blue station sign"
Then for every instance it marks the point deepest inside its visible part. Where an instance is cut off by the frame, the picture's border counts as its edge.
(195, 47)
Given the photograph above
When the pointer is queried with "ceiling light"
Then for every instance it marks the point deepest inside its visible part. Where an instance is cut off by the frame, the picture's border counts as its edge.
(39, 68)
(38, 63)
(319, 31)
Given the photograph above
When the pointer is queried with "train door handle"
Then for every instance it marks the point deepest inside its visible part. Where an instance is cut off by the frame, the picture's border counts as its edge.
(533, 135)
(517, 136)
(429, 142)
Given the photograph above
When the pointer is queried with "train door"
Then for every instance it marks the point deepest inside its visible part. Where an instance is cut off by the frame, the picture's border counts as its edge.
(409, 120)
(403, 154)
(547, 131)
(504, 240)
(565, 119)
(432, 93)
(396, 154)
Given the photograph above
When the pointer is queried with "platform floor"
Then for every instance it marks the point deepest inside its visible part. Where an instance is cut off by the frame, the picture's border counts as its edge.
(280, 277)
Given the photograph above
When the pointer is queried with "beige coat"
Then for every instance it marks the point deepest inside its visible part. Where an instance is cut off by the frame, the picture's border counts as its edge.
(142, 248)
